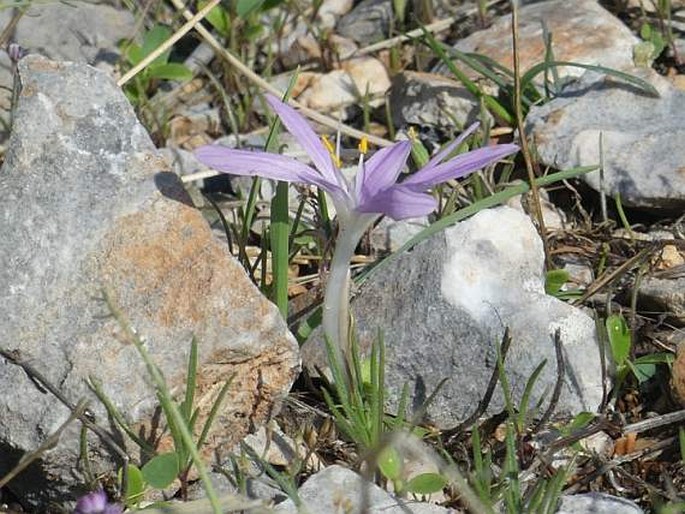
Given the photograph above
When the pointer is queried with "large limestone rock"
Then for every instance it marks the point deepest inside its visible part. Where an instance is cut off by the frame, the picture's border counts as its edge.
(88, 207)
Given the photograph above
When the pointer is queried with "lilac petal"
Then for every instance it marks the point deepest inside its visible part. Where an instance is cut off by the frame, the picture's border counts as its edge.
(304, 134)
(381, 170)
(113, 508)
(263, 164)
(91, 503)
(460, 166)
(399, 203)
(442, 154)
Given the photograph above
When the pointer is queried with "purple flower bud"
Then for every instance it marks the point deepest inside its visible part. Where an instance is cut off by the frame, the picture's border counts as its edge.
(15, 52)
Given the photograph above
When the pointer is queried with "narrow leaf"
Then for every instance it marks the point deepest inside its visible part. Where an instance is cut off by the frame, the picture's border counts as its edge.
(619, 338)
(534, 71)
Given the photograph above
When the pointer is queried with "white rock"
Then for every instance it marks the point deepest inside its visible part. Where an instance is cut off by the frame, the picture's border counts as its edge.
(338, 489)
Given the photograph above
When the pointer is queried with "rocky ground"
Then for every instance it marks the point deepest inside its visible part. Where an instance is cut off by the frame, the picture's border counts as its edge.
(116, 242)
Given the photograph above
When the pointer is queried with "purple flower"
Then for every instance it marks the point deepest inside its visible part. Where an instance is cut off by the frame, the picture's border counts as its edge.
(15, 51)
(96, 503)
(375, 189)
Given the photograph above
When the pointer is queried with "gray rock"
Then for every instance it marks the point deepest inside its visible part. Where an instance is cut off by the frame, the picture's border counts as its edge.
(431, 100)
(665, 295)
(444, 306)
(582, 32)
(368, 22)
(89, 207)
(554, 218)
(80, 31)
(597, 503)
(642, 138)
(338, 489)
(255, 485)
(389, 235)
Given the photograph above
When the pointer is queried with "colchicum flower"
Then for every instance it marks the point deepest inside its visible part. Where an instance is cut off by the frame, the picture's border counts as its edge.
(96, 503)
(374, 191)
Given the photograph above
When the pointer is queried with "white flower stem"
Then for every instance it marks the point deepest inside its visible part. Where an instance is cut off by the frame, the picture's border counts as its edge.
(336, 312)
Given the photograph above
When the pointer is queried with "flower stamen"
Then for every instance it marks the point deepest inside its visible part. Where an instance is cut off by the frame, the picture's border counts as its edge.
(363, 145)
(331, 150)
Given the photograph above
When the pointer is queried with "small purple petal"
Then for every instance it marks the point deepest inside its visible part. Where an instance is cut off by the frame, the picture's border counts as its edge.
(15, 51)
(311, 143)
(91, 503)
(442, 154)
(460, 166)
(399, 203)
(382, 170)
(263, 164)
(113, 508)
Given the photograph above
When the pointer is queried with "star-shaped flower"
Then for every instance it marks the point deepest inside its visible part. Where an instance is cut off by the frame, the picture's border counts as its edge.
(375, 188)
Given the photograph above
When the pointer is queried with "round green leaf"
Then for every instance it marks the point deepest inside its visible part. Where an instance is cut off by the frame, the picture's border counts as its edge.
(390, 463)
(161, 470)
(170, 71)
(426, 483)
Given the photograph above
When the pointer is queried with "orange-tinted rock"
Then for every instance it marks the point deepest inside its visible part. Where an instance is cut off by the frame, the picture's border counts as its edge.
(582, 32)
(94, 223)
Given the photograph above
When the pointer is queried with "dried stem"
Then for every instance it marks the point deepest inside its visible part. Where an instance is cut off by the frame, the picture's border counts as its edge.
(192, 21)
(534, 191)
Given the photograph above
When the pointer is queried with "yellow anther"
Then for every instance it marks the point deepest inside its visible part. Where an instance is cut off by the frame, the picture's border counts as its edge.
(331, 150)
(363, 145)
(329, 146)
(412, 134)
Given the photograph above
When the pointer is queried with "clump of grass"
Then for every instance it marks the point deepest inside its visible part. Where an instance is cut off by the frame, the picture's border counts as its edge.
(181, 418)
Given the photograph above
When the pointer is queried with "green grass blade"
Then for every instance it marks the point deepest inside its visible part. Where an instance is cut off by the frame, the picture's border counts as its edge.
(497, 109)
(214, 411)
(171, 411)
(525, 397)
(248, 213)
(285, 482)
(642, 84)
(504, 383)
(280, 251)
(280, 227)
(486, 203)
(112, 410)
(377, 387)
(191, 380)
(511, 469)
